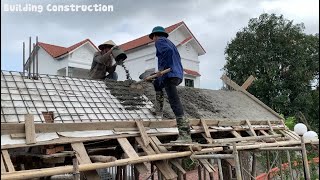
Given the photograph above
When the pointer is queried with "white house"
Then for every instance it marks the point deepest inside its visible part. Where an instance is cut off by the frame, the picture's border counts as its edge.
(75, 61)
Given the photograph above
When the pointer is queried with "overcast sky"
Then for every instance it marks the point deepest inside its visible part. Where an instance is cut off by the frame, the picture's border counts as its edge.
(213, 22)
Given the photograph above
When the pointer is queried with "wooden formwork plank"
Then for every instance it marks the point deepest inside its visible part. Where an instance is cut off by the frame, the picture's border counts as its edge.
(270, 125)
(3, 167)
(251, 128)
(7, 160)
(163, 167)
(84, 158)
(235, 86)
(264, 132)
(207, 165)
(205, 128)
(14, 128)
(30, 129)
(143, 132)
(209, 140)
(236, 134)
(163, 149)
(248, 82)
(131, 153)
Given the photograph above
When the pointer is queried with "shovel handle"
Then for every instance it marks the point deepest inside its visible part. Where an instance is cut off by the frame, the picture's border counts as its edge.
(157, 74)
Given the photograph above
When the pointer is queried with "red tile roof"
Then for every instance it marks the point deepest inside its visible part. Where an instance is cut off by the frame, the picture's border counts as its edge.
(191, 72)
(145, 39)
(56, 51)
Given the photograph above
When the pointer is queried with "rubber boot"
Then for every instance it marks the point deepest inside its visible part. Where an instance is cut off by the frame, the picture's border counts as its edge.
(158, 105)
(184, 130)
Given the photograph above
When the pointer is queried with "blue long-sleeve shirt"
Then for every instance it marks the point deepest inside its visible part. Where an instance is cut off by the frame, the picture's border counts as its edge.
(168, 57)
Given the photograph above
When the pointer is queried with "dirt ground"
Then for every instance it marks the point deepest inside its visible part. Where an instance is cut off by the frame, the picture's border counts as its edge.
(197, 103)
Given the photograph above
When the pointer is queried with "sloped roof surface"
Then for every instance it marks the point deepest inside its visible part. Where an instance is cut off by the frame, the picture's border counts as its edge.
(84, 100)
(71, 100)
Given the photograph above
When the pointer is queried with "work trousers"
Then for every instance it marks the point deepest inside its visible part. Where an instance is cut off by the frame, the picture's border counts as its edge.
(170, 85)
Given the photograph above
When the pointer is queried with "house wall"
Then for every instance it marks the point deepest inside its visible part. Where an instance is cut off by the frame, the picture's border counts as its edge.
(47, 64)
(82, 57)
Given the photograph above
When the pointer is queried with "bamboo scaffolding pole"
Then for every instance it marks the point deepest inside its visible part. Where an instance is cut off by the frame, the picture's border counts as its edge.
(245, 138)
(37, 57)
(275, 144)
(289, 163)
(237, 161)
(220, 169)
(29, 65)
(280, 166)
(76, 172)
(27, 174)
(254, 166)
(305, 160)
(23, 58)
(280, 149)
(268, 164)
(213, 156)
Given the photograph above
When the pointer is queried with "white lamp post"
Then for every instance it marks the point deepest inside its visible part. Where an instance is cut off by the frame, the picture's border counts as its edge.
(300, 129)
(310, 135)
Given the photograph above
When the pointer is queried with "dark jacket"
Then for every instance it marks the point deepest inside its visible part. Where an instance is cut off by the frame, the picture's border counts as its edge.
(101, 64)
(168, 57)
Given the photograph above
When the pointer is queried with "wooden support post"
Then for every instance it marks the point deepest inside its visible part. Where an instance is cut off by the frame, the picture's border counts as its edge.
(206, 166)
(7, 161)
(280, 164)
(199, 173)
(205, 128)
(152, 170)
(235, 86)
(305, 159)
(248, 82)
(270, 126)
(264, 132)
(125, 175)
(290, 165)
(143, 132)
(236, 134)
(156, 142)
(3, 168)
(251, 128)
(84, 158)
(268, 165)
(220, 169)
(237, 162)
(76, 172)
(30, 129)
(163, 166)
(254, 166)
(23, 59)
(129, 150)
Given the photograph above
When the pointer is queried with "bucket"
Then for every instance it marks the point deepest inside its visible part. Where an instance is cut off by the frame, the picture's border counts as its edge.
(119, 54)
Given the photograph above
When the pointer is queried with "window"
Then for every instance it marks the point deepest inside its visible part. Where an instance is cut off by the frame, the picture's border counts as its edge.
(189, 82)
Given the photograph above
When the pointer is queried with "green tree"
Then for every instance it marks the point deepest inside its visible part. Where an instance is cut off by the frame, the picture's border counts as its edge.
(285, 61)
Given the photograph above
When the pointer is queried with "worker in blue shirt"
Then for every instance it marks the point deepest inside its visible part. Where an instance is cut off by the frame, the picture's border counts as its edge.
(169, 57)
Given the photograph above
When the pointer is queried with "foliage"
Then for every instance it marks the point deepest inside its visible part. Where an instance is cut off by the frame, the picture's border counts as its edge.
(285, 62)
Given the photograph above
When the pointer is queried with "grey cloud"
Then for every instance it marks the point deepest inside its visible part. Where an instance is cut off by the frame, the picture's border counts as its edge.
(214, 23)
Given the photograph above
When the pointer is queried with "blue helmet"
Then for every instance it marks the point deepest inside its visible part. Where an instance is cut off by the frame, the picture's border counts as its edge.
(158, 29)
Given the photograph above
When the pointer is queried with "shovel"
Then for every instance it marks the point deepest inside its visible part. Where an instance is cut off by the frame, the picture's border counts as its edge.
(137, 84)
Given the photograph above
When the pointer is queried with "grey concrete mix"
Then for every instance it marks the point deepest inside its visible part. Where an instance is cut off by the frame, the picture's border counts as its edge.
(197, 103)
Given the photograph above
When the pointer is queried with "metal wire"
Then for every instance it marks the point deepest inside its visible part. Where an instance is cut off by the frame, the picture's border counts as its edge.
(71, 100)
